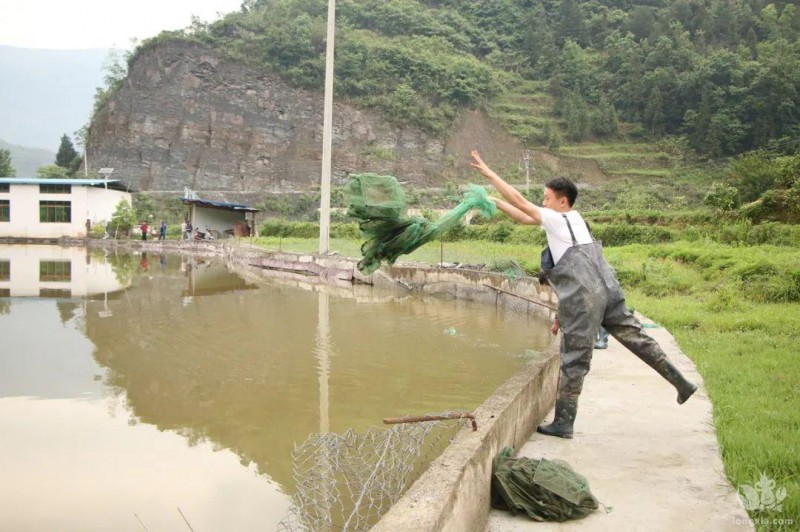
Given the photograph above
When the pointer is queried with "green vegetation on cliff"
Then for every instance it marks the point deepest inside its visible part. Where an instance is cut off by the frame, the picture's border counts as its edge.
(725, 74)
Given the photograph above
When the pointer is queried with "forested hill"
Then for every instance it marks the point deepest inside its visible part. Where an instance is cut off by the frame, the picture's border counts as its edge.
(723, 73)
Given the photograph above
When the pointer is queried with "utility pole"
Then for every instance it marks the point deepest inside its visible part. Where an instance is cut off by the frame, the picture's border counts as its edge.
(327, 136)
(526, 157)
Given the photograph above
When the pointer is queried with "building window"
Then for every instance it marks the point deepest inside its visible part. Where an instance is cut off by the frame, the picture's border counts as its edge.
(5, 292)
(55, 271)
(5, 270)
(55, 189)
(55, 211)
(5, 210)
(5, 187)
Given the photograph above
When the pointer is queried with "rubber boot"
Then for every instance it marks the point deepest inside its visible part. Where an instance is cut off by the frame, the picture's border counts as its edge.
(602, 339)
(563, 420)
(685, 388)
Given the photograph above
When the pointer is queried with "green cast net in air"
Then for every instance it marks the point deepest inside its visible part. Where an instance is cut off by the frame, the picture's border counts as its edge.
(379, 205)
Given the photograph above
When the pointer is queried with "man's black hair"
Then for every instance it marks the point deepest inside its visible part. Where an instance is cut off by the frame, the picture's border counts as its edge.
(564, 187)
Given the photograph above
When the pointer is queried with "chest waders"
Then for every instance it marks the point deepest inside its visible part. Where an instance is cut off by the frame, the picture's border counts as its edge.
(589, 296)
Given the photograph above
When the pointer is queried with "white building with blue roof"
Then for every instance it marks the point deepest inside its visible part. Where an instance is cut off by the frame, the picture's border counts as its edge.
(56, 208)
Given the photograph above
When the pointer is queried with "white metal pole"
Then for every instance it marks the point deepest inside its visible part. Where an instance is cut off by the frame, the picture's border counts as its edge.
(527, 159)
(327, 135)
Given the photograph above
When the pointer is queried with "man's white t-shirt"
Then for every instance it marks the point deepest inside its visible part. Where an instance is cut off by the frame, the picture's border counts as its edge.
(558, 237)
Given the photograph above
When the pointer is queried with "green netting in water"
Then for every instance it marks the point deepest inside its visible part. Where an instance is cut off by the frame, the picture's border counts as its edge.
(547, 490)
(379, 205)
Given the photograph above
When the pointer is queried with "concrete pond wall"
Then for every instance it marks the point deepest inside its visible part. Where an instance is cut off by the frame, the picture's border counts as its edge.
(454, 492)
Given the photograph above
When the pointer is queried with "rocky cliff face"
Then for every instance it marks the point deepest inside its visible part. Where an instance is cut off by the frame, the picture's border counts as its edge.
(188, 117)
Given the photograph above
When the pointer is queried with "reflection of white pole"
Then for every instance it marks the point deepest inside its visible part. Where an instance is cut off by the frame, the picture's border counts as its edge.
(324, 462)
(327, 134)
(323, 355)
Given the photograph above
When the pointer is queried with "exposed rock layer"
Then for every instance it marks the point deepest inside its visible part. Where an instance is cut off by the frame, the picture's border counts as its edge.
(188, 117)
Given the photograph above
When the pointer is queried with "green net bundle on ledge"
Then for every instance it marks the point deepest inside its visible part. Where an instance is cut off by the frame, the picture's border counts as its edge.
(379, 204)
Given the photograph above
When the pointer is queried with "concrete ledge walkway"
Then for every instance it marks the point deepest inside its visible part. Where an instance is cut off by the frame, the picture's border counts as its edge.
(654, 464)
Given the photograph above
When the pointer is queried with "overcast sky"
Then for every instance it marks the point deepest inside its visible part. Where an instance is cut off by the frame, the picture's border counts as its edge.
(81, 24)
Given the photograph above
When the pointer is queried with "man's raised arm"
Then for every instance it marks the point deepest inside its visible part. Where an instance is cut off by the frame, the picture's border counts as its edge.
(513, 196)
(516, 214)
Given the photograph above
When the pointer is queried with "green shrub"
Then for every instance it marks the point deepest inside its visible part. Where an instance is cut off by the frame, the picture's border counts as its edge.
(621, 234)
(346, 230)
(123, 219)
(98, 230)
(784, 288)
(499, 232)
(726, 298)
(721, 197)
(286, 229)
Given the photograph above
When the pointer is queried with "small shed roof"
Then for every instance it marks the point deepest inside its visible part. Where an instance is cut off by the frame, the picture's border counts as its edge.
(239, 207)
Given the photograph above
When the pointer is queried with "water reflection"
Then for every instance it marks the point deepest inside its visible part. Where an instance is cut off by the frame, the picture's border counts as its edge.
(323, 352)
(114, 387)
(207, 278)
(56, 272)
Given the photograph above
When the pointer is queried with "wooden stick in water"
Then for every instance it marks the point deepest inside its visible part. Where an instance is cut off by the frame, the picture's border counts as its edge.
(551, 307)
(433, 417)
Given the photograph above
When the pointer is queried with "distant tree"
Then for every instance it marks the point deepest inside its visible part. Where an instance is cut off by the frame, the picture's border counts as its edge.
(755, 173)
(123, 219)
(571, 22)
(721, 197)
(52, 171)
(654, 116)
(6, 170)
(642, 22)
(115, 68)
(768, 21)
(144, 207)
(66, 152)
(576, 114)
(576, 73)
(539, 43)
(605, 121)
(67, 157)
(551, 136)
(625, 64)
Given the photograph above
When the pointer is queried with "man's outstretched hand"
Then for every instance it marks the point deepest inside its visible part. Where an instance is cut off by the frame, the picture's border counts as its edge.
(478, 163)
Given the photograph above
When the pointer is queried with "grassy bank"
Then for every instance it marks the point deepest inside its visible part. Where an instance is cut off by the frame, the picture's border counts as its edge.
(735, 311)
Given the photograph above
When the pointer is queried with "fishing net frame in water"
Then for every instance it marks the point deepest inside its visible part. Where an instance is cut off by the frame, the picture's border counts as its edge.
(349, 481)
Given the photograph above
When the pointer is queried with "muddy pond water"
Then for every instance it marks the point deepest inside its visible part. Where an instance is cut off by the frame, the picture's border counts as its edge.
(142, 391)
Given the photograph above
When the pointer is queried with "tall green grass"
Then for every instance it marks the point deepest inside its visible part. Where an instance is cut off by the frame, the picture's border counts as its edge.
(613, 229)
